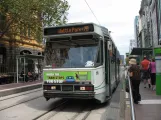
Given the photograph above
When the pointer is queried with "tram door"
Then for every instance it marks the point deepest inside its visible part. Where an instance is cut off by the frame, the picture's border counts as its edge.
(107, 68)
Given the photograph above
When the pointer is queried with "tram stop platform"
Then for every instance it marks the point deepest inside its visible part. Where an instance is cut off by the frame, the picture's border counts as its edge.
(13, 88)
(149, 107)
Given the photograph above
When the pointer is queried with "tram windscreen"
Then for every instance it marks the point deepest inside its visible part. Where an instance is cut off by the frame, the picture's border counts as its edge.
(70, 53)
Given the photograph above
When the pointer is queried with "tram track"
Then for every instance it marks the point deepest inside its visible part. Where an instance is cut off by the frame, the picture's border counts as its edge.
(81, 112)
(50, 114)
(1, 109)
(20, 94)
(86, 115)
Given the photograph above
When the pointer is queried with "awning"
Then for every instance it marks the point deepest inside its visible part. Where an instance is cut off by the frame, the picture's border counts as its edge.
(139, 51)
(30, 56)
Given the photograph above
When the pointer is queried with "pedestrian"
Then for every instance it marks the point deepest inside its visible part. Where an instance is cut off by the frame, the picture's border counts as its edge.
(135, 78)
(153, 73)
(145, 71)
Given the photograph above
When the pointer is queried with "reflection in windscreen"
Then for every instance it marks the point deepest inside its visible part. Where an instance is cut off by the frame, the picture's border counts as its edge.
(77, 57)
(67, 55)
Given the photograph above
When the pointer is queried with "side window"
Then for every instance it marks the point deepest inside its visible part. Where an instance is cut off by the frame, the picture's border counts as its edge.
(113, 54)
(100, 56)
(113, 59)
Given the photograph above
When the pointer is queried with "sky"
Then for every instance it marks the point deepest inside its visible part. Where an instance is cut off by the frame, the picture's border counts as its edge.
(116, 15)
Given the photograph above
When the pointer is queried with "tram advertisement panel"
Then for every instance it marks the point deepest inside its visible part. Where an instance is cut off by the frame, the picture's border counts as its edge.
(66, 76)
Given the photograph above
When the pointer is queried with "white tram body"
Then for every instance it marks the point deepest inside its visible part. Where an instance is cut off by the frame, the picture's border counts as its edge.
(81, 61)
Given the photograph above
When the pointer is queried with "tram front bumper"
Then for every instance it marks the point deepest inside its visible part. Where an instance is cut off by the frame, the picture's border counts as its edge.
(63, 94)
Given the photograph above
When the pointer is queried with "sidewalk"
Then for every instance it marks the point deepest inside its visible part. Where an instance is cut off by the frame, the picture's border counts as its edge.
(13, 88)
(149, 107)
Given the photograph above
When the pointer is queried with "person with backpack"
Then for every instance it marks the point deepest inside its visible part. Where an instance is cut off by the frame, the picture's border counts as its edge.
(145, 69)
(135, 78)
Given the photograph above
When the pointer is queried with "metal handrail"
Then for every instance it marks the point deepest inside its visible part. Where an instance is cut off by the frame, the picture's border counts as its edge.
(131, 100)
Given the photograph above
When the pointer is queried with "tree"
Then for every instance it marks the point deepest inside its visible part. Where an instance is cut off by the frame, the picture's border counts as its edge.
(30, 16)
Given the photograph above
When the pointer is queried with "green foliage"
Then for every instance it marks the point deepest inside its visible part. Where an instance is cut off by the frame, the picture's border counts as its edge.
(29, 16)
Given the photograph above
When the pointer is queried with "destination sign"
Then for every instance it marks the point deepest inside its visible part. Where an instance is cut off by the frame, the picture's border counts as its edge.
(69, 29)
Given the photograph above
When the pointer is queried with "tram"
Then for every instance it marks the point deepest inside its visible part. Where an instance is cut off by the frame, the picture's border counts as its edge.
(81, 61)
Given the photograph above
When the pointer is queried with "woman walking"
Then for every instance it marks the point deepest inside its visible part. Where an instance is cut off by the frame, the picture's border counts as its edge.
(135, 77)
(153, 73)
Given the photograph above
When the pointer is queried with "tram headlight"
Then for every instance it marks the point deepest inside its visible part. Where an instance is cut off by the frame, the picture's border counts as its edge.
(82, 88)
(86, 88)
(53, 87)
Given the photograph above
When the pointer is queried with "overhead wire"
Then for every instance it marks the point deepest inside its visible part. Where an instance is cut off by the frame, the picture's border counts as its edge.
(92, 12)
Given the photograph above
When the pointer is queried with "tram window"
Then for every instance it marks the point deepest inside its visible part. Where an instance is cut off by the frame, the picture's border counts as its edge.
(98, 57)
(99, 60)
(113, 59)
(64, 53)
(102, 52)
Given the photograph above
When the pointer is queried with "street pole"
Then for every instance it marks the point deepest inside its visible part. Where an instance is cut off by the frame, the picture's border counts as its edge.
(24, 69)
(17, 69)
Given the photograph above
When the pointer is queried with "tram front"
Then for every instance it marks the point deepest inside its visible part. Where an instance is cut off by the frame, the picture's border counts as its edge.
(68, 67)
(72, 66)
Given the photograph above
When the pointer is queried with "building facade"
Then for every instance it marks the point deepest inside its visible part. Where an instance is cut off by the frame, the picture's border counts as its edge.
(150, 23)
(136, 29)
(158, 12)
(140, 34)
(145, 24)
(132, 45)
(14, 45)
(154, 24)
(149, 28)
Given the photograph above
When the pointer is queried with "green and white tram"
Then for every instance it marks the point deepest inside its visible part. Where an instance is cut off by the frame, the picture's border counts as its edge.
(81, 61)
